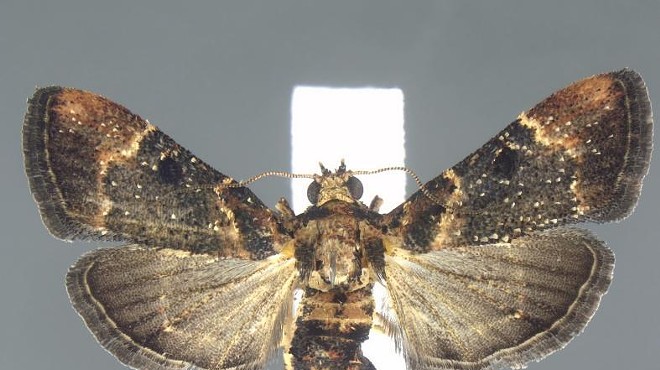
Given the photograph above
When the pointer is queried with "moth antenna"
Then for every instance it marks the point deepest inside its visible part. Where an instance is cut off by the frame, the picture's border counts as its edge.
(407, 170)
(290, 175)
(260, 176)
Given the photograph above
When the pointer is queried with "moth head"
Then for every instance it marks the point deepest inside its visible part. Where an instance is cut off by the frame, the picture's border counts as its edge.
(338, 185)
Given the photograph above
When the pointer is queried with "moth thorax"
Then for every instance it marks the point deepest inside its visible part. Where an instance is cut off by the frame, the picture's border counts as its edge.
(338, 265)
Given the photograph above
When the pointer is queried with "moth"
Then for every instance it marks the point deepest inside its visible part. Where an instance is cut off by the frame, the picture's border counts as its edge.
(481, 266)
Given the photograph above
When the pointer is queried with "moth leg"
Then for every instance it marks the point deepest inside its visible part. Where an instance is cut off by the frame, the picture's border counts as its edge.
(375, 204)
(285, 210)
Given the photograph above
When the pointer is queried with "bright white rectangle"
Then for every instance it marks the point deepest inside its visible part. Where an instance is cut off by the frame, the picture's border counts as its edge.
(364, 126)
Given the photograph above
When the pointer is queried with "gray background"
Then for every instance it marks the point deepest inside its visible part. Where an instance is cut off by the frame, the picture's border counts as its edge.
(218, 78)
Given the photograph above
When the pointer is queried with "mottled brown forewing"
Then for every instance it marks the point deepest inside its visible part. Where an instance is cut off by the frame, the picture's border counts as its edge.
(99, 171)
(578, 155)
(482, 270)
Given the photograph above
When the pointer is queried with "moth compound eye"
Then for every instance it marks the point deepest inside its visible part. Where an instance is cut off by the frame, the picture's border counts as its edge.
(355, 187)
(313, 192)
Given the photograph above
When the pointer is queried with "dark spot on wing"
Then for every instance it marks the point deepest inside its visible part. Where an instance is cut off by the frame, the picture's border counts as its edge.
(505, 163)
(169, 171)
